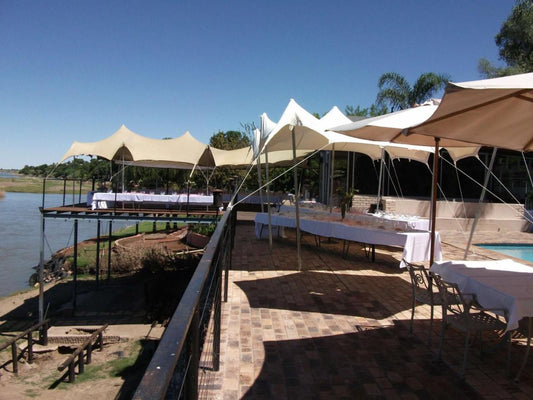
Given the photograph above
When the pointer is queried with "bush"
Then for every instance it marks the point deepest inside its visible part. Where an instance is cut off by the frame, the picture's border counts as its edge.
(203, 229)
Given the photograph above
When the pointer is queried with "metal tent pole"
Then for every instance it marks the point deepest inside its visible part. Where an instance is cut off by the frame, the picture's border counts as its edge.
(297, 195)
(268, 203)
(332, 169)
(41, 271)
(481, 199)
(378, 199)
(434, 200)
(75, 266)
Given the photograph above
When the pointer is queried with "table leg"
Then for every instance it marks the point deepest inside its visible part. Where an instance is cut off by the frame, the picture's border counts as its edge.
(524, 362)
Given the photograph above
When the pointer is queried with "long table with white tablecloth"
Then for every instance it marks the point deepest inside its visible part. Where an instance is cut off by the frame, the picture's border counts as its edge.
(416, 244)
(496, 284)
(379, 218)
(98, 200)
(500, 284)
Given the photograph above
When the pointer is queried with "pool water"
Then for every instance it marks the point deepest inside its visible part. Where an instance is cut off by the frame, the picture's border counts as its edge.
(522, 251)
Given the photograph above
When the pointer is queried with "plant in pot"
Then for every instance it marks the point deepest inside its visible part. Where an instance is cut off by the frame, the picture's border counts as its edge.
(345, 202)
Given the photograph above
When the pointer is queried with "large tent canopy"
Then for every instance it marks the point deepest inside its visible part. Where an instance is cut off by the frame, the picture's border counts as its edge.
(492, 112)
(390, 128)
(311, 134)
(184, 152)
(125, 145)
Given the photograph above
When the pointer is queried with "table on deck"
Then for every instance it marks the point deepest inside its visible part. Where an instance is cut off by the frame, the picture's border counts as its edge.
(388, 220)
(416, 244)
(497, 284)
(99, 200)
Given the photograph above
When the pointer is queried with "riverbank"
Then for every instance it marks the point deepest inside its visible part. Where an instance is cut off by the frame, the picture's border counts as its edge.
(113, 373)
(137, 307)
(34, 184)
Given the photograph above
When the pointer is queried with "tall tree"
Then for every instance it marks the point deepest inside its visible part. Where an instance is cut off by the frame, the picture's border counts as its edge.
(229, 140)
(515, 43)
(396, 93)
(372, 111)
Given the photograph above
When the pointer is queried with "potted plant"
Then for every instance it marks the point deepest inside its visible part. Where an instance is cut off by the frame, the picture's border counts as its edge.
(345, 202)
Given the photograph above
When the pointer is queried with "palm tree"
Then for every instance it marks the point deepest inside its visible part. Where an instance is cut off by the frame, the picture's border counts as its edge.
(395, 91)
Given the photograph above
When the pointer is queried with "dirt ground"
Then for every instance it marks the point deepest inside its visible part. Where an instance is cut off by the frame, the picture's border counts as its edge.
(136, 322)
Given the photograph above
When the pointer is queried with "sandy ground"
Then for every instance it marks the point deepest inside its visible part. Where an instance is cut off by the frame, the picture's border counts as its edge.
(114, 373)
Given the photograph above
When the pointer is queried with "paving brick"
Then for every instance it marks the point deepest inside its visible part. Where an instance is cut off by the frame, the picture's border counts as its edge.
(338, 329)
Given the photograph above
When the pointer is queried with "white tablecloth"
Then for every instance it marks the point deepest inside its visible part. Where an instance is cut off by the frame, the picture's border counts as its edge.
(387, 220)
(496, 284)
(416, 244)
(99, 200)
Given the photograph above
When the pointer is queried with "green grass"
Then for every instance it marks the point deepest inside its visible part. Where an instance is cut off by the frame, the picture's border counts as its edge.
(111, 369)
(118, 366)
(32, 184)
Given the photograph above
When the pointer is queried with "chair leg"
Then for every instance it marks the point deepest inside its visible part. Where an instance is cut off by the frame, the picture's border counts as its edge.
(413, 305)
(444, 325)
(467, 340)
(430, 325)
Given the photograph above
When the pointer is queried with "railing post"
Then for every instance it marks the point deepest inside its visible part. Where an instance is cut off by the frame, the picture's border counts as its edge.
(194, 354)
(101, 340)
(14, 356)
(43, 334)
(71, 372)
(81, 364)
(218, 302)
(89, 352)
(64, 190)
(30, 347)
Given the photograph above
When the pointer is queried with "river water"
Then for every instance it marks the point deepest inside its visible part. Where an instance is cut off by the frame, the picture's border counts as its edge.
(20, 236)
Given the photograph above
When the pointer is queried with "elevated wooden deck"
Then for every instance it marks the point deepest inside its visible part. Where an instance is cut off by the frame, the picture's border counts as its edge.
(132, 212)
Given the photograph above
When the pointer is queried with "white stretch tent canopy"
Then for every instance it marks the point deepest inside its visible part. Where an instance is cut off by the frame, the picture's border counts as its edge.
(185, 152)
(124, 145)
(492, 112)
(311, 134)
(389, 127)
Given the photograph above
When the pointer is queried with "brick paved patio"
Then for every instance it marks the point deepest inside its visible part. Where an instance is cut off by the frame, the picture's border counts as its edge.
(339, 329)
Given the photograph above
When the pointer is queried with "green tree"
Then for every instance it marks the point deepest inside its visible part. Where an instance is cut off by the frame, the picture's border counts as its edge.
(396, 93)
(224, 177)
(229, 140)
(372, 111)
(515, 43)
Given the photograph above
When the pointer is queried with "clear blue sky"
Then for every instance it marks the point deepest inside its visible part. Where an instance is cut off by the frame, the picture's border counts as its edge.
(77, 70)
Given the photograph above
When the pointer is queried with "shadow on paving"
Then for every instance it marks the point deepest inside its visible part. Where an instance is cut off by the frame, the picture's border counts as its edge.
(126, 300)
(371, 363)
(329, 293)
(327, 255)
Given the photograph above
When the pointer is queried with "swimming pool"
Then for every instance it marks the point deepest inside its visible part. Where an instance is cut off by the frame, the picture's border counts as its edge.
(524, 251)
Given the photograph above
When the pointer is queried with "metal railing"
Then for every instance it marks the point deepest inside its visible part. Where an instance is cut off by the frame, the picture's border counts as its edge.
(173, 369)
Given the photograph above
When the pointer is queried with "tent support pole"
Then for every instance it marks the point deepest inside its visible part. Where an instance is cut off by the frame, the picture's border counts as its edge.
(75, 266)
(296, 202)
(382, 160)
(347, 172)
(41, 272)
(98, 223)
(332, 169)
(434, 201)
(268, 203)
(260, 182)
(481, 199)
(109, 237)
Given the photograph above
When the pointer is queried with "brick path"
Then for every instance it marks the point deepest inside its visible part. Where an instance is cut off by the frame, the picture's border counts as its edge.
(339, 329)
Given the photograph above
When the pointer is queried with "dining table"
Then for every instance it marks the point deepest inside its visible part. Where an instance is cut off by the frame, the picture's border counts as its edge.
(498, 284)
(102, 200)
(416, 244)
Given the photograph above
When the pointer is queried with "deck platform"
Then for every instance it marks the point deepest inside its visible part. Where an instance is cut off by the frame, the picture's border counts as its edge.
(339, 329)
